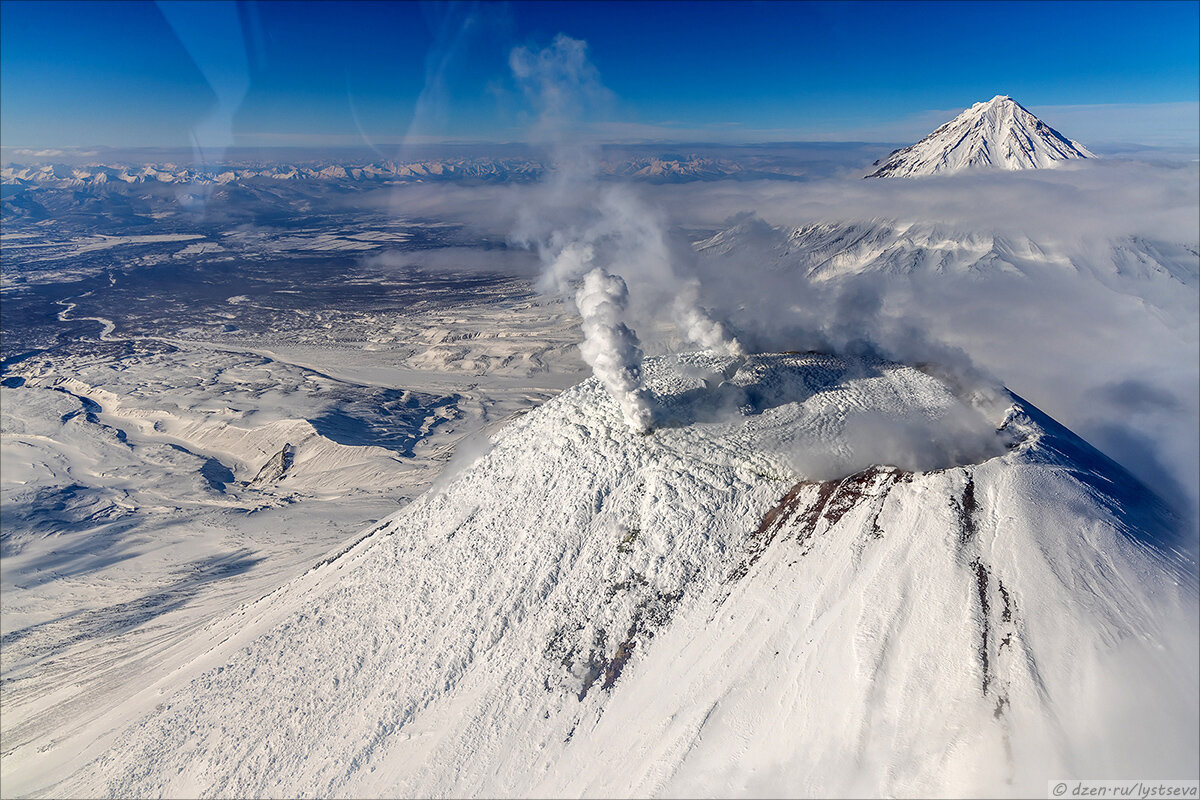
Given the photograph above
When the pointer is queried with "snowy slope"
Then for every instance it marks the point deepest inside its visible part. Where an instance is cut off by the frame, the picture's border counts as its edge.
(738, 602)
(1000, 133)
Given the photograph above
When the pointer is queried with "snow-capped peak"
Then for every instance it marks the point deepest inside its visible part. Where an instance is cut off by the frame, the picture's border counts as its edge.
(1000, 133)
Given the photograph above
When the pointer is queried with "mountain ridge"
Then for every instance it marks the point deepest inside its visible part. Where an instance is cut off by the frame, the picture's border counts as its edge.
(664, 168)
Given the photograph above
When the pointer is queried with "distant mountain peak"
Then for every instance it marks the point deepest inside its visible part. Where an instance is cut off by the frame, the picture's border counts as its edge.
(999, 133)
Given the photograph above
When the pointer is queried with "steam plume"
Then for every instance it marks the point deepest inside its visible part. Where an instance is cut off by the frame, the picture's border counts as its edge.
(573, 241)
(605, 235)
(611, 348)
(699, 326)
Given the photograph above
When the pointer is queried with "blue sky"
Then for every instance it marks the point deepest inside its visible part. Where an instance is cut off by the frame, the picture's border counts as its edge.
(259, 73)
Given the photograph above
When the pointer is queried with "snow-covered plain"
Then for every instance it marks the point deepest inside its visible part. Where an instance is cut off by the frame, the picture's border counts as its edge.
(683, 613)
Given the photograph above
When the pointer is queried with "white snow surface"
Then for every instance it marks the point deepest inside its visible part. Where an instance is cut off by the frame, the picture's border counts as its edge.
(1000, 133)
(590, 611)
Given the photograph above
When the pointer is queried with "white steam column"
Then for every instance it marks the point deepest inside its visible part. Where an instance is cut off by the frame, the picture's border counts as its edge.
(611, 348)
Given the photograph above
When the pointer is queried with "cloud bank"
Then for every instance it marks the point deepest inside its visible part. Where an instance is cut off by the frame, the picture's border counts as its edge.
(1075, 287)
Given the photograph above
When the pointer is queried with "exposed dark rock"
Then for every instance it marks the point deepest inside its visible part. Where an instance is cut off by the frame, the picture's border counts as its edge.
(277, 467)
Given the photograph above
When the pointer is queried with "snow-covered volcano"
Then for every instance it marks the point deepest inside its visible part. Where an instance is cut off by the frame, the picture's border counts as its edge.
(816, 576)
(1000, 133)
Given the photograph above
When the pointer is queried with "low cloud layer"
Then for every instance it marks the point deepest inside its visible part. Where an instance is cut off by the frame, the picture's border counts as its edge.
(1088, 327)
(1077, 289)
(1092, 200)
(1084, 200)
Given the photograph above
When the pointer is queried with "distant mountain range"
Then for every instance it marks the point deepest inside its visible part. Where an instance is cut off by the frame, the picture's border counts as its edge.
(667, 168)
(1000, 133)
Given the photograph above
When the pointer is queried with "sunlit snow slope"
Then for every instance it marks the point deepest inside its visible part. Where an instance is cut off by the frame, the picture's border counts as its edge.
(739, 602)
(1000, 133)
